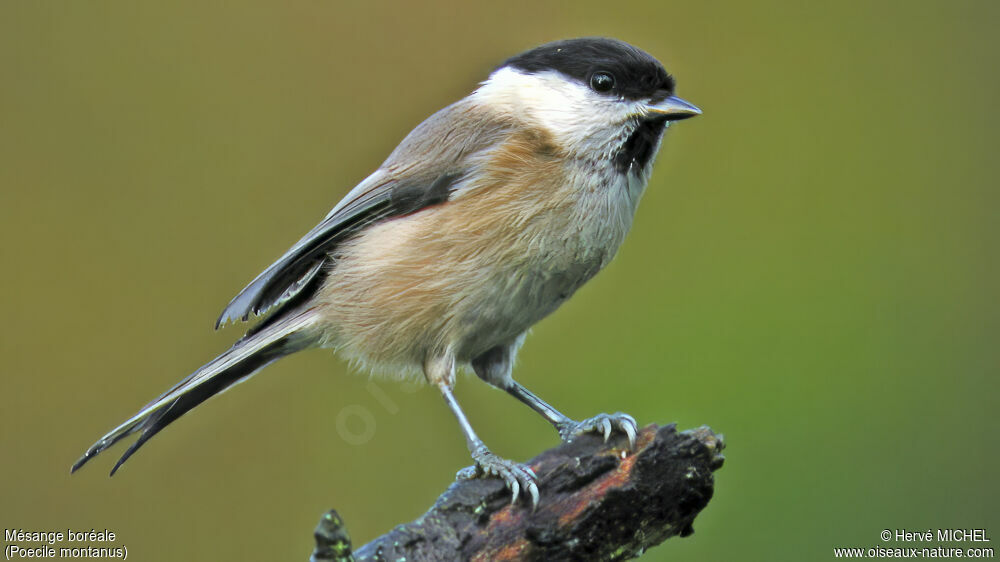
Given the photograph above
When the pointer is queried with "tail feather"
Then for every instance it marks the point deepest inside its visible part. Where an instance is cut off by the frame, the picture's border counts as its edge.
(246, 357)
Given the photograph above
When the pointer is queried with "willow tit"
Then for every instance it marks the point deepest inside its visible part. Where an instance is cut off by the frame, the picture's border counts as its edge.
(485, 218)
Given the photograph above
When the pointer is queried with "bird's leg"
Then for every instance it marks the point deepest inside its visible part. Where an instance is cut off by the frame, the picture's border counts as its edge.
(441, 372)
(495, 367)
(569, 428)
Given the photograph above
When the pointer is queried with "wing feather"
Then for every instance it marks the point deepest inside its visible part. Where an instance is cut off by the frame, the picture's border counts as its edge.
(421, 172)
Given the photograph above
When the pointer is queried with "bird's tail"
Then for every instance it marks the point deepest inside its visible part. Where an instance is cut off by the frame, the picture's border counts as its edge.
(263, 345)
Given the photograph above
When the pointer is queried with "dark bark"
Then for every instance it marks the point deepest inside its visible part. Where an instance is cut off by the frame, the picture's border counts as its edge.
(596, 504)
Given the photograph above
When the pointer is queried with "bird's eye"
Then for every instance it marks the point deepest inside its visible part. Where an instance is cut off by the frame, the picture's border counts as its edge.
(602, 82)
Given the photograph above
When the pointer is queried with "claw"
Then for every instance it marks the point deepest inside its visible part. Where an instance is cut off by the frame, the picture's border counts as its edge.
(606, 426)
(515, 489)
(533, 491)
(515, 476)
(629, 429)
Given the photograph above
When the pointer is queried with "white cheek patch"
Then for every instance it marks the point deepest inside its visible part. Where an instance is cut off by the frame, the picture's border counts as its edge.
(578, 117)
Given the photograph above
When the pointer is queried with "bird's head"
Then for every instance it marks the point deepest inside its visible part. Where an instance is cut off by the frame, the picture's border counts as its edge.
(597, 98)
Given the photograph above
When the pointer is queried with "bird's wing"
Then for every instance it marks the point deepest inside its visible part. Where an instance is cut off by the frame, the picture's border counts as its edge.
(423, 170)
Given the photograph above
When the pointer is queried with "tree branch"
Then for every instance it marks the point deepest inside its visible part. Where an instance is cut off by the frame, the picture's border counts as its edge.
(596, 504)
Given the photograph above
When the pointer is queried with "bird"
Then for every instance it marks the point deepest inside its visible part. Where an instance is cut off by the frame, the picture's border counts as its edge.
(485, 218)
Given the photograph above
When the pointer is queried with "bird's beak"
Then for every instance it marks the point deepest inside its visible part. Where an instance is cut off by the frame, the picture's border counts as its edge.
(673, 108)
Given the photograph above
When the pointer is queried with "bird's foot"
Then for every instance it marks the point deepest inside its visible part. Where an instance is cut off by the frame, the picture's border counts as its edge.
(517, 476)
(601, 423)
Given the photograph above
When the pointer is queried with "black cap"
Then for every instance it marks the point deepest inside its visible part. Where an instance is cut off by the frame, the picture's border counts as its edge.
(637, 75)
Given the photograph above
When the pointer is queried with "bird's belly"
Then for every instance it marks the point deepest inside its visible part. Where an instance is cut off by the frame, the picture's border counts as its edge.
(450, 278)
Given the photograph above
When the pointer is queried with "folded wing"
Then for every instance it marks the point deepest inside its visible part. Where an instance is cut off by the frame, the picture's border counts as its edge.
(424, 170)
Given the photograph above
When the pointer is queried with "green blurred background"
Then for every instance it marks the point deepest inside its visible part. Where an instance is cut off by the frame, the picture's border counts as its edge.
(813, 271)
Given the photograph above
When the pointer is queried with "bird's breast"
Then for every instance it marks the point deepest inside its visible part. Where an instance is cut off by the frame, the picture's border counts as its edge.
(476, 271)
